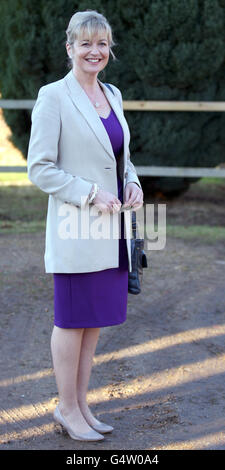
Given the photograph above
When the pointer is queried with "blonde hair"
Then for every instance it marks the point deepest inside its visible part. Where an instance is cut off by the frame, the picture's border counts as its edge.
(89, 22)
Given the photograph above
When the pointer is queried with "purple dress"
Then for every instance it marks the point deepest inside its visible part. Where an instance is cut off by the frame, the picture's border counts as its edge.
(96, 299)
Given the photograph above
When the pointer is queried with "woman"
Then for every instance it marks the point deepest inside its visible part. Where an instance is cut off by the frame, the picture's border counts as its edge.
(79, 154)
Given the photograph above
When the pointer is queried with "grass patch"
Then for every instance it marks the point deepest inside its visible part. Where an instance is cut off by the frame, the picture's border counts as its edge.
(17, 226)
(207, 181)
(201, 232)
(8, 178)
(22, 208)
(205, 232)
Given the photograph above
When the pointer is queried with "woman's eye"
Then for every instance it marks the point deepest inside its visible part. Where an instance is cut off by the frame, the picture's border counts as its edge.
(86, 44)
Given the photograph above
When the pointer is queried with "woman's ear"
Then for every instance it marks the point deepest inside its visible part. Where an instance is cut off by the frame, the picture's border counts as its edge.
(68, 48)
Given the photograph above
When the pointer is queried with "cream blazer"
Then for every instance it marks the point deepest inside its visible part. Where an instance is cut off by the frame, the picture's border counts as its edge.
(69, 149)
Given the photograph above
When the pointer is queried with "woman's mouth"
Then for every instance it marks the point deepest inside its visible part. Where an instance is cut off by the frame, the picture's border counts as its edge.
(93, 61)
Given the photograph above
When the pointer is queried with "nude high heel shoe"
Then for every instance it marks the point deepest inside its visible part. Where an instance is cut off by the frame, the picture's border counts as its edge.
(89, 436)
(102, 427)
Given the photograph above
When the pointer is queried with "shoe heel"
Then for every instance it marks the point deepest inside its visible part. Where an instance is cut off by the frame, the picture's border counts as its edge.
(63, 430)
(90, 436)
(60, 429)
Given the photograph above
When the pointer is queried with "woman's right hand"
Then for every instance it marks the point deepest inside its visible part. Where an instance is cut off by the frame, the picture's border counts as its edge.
(106, 202)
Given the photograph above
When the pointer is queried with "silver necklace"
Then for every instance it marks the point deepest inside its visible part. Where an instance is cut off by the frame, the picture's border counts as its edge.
(96, 103)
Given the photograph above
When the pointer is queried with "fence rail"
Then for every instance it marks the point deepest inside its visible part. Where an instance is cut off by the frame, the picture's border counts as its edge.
(137, 105)
(186, 172)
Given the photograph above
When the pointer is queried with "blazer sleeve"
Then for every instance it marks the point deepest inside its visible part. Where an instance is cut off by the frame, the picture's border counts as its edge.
(43, 152)
(131, 174)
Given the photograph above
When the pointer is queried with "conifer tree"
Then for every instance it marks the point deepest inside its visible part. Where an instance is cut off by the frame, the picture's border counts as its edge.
(166, 50)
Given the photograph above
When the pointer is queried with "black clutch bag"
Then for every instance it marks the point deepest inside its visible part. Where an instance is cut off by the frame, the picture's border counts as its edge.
(138, 256)
(138, 260)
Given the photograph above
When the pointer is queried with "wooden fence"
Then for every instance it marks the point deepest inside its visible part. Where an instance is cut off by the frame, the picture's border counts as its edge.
(187, 172)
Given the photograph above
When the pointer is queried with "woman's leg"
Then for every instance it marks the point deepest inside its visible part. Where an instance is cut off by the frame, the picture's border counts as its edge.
(66, 348)
(88, 347)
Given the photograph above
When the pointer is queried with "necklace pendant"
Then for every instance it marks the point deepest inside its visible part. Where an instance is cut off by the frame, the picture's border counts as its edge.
(97, 104)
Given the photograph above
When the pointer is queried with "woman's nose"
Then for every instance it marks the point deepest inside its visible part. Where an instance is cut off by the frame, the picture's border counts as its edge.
(94, 49)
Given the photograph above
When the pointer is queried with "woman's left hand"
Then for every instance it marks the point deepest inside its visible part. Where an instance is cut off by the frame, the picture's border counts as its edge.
(133, 196)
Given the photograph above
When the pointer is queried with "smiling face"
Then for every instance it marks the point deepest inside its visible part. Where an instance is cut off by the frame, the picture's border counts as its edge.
(90, 55)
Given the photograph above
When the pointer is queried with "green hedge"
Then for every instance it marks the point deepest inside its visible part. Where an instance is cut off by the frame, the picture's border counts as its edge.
(166, 50)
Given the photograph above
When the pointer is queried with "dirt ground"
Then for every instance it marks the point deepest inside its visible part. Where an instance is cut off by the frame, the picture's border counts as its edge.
(158, 378)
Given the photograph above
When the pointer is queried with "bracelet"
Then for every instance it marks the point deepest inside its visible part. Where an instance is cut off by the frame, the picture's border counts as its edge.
(93, 194)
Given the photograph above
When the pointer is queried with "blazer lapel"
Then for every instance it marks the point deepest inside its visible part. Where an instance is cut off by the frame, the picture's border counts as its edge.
(119, 113)
(82, 102)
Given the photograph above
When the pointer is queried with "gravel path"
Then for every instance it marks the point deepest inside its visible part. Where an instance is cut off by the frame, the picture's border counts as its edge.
(158, 378)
